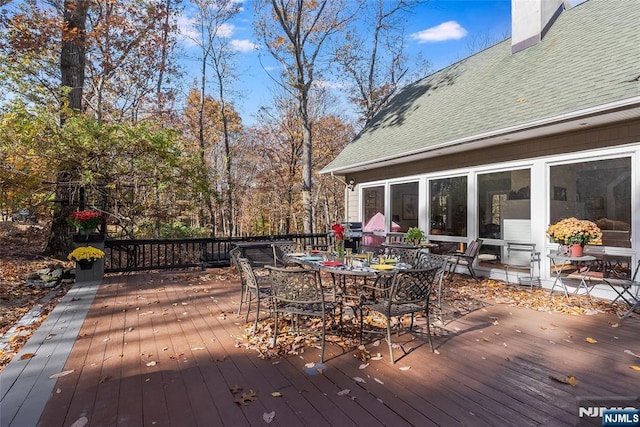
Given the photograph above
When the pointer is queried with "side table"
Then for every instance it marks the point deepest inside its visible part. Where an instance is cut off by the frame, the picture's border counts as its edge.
(584, 265)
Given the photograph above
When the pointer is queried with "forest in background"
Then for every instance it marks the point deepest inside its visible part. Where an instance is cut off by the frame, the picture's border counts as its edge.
(96, 113)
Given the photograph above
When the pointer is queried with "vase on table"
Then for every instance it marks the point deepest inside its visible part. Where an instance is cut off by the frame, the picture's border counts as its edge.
(576, 250)
(340, 249)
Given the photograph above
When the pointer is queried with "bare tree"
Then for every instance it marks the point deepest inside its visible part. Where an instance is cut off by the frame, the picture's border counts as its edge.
(374, 61)
(296, 38)
(212, 24)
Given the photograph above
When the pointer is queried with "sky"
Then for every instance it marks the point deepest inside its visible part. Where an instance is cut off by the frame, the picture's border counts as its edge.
(441, 31)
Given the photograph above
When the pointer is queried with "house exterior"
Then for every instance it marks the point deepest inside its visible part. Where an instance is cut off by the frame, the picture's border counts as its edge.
(539, 127)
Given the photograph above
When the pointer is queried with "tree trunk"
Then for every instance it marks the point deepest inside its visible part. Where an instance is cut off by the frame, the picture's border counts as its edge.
(72, 64)
(307, 169)
(73, 53)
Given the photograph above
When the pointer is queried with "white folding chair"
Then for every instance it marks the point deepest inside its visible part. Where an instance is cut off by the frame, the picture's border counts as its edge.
(521, 256)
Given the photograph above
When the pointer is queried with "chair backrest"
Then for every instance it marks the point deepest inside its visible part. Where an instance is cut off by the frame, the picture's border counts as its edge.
(247, 275)
(286, 248)
(406, 255)
(521, 254)
(473, 249)
(394, 237)
(427, 261)
(295, 285)
(414, 286)
(234, 254)
(280, 250)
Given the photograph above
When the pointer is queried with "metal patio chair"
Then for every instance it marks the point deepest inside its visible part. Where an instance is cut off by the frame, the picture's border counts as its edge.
(254, 290)
(627, 290)
(298, 293)
(407, 293)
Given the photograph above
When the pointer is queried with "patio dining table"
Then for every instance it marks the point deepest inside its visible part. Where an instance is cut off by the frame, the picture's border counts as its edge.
(342, 274)
(348, 282)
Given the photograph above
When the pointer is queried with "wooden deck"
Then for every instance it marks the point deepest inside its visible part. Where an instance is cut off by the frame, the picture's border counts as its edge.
(166, 350)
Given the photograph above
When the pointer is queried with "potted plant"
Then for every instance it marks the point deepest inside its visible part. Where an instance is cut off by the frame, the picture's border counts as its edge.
(85, 256)
(575, 233)
(413, 235)
(85, 221)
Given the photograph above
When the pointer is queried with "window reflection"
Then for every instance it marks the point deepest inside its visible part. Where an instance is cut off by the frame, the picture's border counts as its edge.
(599, 191)
(504, 205)
(404, 206)
(448, 206)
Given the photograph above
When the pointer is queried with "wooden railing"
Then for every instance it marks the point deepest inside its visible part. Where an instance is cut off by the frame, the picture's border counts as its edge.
(161, 254)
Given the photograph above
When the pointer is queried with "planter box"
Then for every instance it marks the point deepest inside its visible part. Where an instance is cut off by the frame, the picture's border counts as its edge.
(96, 272)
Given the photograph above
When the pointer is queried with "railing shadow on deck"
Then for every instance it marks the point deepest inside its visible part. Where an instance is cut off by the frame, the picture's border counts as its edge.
(159, 254)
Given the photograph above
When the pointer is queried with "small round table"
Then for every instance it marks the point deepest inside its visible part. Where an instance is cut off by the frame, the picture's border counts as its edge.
(559, 261)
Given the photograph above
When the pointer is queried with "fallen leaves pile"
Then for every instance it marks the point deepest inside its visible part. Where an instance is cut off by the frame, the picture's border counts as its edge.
(460, 295)
(21, 254)
(465, 292)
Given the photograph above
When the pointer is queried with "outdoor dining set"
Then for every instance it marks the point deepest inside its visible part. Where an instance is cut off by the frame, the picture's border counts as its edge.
(394, 280)
(397, 282)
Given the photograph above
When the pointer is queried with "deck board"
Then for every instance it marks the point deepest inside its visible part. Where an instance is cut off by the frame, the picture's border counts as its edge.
(494, 366)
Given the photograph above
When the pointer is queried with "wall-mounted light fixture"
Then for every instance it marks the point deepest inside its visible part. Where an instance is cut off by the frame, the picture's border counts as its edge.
(351, 184)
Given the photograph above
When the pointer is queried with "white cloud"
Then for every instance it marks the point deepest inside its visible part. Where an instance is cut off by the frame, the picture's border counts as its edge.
(243, 45)
(328, 84)
(226, 30)
(188, 34)
(449, 30)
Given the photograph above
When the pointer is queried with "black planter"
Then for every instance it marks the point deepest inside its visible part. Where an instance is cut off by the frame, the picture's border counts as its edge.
(85, 264)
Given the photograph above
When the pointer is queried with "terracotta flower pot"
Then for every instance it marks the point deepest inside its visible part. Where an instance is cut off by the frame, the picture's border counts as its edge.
(576, 250)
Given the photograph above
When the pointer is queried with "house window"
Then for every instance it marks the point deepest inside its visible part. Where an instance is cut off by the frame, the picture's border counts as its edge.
(404, 206)
(448, 205)
(599, 191)
(373, 217)
(504, 205)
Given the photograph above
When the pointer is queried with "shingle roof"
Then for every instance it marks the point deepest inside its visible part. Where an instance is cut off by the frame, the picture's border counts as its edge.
(589, 57)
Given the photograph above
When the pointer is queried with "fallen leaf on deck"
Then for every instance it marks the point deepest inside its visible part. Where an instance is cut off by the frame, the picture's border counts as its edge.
(378, 381)
(591, 340)
(268, 416)
(246, 398)
(276, 394)
(235, 389)
(80, 422)
(61, 374)
(570, 379)
(632, 353)
(635, 368)
(27, 356)
(152, 363)
(344, 392)
(363, 365)
(360, 380)
(405, 368)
